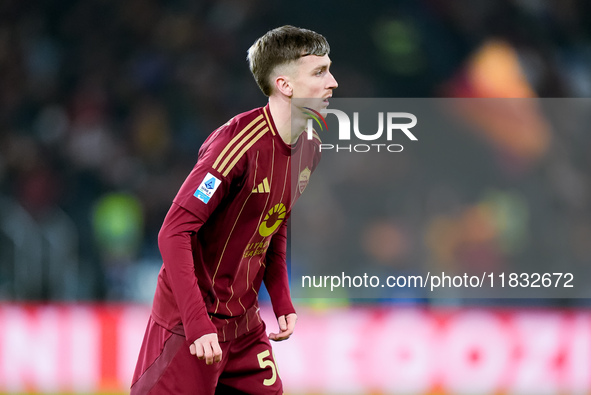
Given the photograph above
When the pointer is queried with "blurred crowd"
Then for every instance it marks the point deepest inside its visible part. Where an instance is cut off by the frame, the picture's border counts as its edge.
(104, 104)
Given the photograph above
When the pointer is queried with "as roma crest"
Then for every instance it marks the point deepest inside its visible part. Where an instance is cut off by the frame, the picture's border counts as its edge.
(304, 178)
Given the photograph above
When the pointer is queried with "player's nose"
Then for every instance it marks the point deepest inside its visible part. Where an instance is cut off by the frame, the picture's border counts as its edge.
(332, 82)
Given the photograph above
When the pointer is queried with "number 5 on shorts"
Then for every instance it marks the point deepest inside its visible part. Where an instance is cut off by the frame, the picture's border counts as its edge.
(263, 364)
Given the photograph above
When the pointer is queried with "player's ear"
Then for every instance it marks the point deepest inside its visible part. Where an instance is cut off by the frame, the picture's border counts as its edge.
(283, 85)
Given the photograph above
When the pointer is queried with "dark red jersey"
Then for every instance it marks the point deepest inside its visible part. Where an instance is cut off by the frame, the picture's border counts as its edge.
(226, 231)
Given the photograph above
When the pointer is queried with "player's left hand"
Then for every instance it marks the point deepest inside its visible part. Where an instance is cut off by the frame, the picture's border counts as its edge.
(286, 327)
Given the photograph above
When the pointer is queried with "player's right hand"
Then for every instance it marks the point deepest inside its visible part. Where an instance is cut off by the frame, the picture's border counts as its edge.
(208, 348)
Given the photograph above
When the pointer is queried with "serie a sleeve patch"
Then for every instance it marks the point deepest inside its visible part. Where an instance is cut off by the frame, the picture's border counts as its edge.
(207, 188)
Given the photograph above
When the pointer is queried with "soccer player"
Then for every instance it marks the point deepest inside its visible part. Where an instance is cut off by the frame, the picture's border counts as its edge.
(226, 233)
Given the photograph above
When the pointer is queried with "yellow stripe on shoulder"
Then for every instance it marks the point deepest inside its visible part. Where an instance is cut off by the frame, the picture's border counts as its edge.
(234, 140)
(241, 154)
(239, 145)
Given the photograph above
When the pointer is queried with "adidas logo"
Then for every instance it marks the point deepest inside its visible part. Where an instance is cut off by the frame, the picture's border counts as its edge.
(263, 187)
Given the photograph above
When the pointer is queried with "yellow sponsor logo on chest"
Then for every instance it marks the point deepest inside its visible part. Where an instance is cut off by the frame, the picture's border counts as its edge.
(272, 220)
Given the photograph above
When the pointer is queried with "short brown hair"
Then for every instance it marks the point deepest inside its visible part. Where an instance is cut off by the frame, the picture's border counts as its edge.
(280, 46)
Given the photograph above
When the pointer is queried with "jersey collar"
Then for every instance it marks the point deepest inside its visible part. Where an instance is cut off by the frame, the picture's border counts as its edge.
(287, 149)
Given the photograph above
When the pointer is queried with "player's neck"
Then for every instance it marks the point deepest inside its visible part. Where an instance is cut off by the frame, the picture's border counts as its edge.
(280, 108)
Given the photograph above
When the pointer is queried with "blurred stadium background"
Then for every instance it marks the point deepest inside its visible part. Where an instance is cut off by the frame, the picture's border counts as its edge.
(104, 103)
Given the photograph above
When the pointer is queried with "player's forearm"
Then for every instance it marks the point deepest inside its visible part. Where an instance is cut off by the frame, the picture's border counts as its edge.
(174, 241)
(276, 277)
(277, 285)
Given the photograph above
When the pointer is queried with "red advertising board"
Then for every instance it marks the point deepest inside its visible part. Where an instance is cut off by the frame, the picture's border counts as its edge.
(91, 348)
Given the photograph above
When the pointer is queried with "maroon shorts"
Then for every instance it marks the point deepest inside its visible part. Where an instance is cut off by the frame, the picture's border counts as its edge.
(166, 366)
